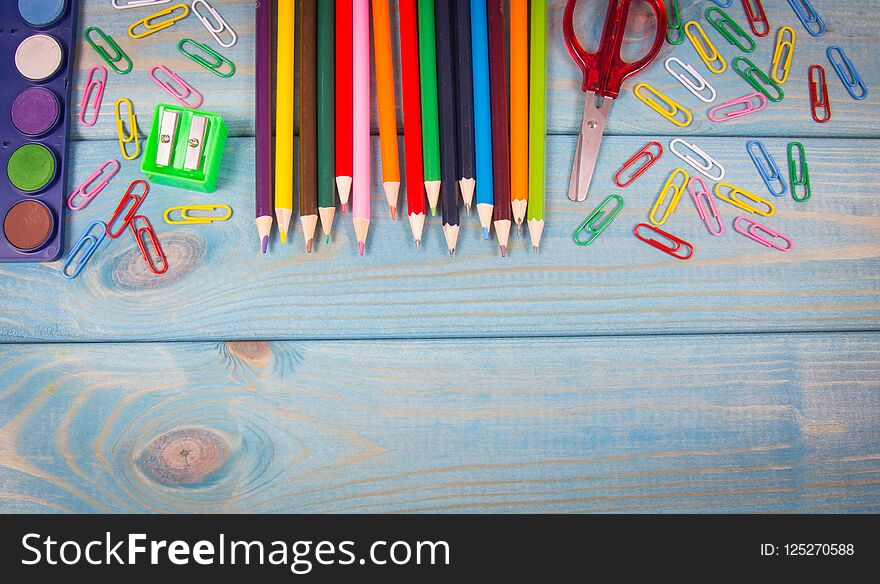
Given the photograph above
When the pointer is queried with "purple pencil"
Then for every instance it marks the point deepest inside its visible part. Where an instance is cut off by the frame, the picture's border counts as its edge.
(264, 121)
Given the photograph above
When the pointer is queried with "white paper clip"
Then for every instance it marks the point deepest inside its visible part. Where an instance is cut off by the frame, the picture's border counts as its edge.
(705, 166)
(696, 83)
(137, 3)
(215, 29)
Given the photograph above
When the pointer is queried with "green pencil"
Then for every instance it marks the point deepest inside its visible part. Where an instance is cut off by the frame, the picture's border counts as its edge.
(326, 121)
(537, 120)
(430, 111)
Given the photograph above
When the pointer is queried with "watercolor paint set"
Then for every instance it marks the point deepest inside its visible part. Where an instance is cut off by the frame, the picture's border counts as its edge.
(37, 40)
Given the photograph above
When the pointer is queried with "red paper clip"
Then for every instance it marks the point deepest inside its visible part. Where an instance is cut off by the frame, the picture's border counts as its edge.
(645, 151)
(819, 103)
(154, 241)
(672, 250)
(126, 198)
(755, 18)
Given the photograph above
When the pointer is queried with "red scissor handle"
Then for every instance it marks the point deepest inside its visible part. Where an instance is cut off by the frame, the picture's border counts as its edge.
(604, 70)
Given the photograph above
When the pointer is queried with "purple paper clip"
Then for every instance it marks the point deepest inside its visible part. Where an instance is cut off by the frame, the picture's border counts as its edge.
(83, 189)
(700, 193)
(185, 92)
(97, 86)
(749, 107)
(755, 230)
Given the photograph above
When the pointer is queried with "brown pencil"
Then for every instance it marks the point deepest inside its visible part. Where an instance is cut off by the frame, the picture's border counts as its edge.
(308, 116)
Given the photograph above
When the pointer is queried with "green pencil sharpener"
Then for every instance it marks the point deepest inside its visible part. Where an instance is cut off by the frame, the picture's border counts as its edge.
(185, 148)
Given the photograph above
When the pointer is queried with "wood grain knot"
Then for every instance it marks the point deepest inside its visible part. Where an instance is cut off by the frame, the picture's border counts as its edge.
(184, 457)
(183, 252)
(255, 353)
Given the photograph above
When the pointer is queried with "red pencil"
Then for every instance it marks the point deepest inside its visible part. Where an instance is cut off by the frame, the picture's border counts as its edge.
(500, 131)
(344, 103)
(412, 115)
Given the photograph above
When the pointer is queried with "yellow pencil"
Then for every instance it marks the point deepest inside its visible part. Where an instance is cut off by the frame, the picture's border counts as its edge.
(284, 118)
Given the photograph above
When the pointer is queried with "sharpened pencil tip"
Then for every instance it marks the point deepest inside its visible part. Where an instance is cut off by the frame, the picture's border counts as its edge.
(418, 244)
(283, 236)
(433, 211)
(485, 233)
(518, 230)
(344, 208)
(327, 239)
(361, 247)
(504, 251)
(309, 246)
(265, 244)
(535, 249)
(393, 213)
(451, 252)
(467, 209)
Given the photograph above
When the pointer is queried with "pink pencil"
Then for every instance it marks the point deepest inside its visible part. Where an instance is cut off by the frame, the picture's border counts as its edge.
(361, 121)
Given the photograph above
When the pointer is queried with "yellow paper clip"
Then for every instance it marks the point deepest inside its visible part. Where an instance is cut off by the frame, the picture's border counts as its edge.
(669, 112)
(781, 45)
(187, 219)
(151, 25)
(701, 47)
(132, 136)
(677, 192)
(733, 199)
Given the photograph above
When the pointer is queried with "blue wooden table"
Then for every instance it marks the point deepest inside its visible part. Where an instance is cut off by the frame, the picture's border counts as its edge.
(612, 378)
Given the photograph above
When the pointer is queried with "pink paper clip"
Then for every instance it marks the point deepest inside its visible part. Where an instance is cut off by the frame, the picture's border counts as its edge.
(129, 195)
(749, 107)
(97, 87)
(755, 230)
(700, 194)
(147, 229)
(83, 189)
(184, 94)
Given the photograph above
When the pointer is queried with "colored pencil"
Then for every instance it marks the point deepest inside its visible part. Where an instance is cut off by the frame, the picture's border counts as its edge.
(326, 128)
(448, 135)
(465, 95)
(500, 136)
(284, 118)
(264, 123)
(343, 101)
(519, 110)
(537, 121)
(308, 122)
(360, 59)
(412, 118)
(430, 113)
(482, 116)
(385, 100)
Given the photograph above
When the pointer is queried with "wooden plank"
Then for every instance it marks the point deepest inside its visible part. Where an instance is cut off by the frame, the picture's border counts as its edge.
(731, 423)
(853, 25)
(220, 287)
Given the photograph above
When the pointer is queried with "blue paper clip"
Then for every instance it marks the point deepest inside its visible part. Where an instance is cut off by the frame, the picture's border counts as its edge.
(722, 3)
(767, 167)
(88, 239)
(847, 73)
(589, 224)
(808, 16)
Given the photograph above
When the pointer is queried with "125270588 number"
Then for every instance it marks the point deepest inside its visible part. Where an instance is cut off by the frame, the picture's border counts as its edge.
(819, 549)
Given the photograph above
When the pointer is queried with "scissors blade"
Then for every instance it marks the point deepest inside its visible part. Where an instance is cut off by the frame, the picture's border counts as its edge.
(587, 151)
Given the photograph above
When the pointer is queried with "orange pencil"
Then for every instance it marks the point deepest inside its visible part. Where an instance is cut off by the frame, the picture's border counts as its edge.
(519, 110)
(385, 98)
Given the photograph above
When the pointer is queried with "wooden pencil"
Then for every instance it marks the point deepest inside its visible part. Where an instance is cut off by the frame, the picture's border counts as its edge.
(263, 114)
(386, 102)
(284, 118)
(519, 110)
(464, 93)
(412, 118)
(326, 125)
(485, 187)
(343, 101)
(308, 122)
(430, 113)
(360, 59)
(537, 121)
(448, 131)
(500, 136)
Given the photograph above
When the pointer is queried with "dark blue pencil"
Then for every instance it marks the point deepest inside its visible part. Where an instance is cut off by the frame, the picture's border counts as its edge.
(444, 18)
(465, 94)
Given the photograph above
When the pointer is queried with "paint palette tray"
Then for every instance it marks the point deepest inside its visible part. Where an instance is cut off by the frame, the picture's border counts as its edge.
(36, 58)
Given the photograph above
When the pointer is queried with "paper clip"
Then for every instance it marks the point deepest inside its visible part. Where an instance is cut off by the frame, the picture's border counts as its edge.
(93, 241)
(213, 66)
(129, 197)
(756, 232)
(673, 24)
(767, 167)
(183, 94)
(796, 178)
(734, 199)
(762, 82)
(808, 17)
(847, 73)
(730, 30)
(819, 102)
(97, 87)
(786, 46)
(187, 219)
(152, 24)
(153, 241)
(132, 137)
(696, 83)
(671, 110)
(221, 25)
(677, 191)
(703, 166)
(118, 55)
(645, 151)
(589, 224)
(111, 167)
(756, 16)
(719, 113)
(672, 249)
(703, 198)
(137, 3)
(707, 51)
(723, 3)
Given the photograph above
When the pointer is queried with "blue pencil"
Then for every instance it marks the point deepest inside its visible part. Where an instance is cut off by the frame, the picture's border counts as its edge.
(482, 115)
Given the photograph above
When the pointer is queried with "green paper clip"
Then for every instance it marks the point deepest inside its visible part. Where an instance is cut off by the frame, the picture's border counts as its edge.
(119, 56)
(730, 30)
(589, 224)
(213, 66)
(755, 77)
(673, 25)
(802, 178)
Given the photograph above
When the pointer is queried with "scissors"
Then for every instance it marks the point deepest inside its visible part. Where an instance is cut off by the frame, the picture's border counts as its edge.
(604, 72)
